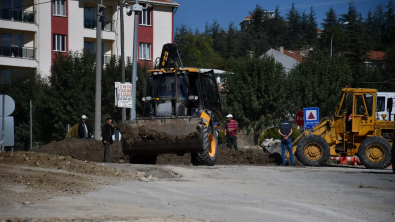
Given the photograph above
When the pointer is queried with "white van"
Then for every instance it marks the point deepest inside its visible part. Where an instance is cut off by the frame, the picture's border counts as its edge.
(382, 105)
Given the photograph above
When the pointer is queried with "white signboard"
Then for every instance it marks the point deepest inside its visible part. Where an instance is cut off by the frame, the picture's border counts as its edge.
(123, 94)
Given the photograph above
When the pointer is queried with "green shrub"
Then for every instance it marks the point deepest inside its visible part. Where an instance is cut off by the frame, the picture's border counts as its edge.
(73, 133)
(223, 137)
(273, 133)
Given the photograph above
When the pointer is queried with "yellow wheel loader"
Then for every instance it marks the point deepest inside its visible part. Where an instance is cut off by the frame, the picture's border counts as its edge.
(355, 129)
(179, 106)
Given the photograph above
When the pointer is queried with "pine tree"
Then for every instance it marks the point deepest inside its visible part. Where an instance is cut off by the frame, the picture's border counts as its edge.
(331, 19)
(294, 28)
(311, 30)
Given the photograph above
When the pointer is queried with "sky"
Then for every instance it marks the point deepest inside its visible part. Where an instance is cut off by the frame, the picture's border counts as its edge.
(195, 13)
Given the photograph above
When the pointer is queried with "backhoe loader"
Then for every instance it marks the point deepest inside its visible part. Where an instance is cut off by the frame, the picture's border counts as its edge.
(354, 130)
(179, 107)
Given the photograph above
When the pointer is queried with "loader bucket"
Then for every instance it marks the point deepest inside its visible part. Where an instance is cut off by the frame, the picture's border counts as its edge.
(161, 135)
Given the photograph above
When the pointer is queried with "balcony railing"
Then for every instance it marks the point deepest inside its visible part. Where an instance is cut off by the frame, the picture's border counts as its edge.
(17, 52)
(17, 15)
(106, 25)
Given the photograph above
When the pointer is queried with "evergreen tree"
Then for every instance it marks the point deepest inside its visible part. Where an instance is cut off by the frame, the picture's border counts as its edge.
(389, 25)
(311, 30)
(233, 42)
(355, 46)
(277, 30)
(259, 27)
(330, 20)
(294, 28)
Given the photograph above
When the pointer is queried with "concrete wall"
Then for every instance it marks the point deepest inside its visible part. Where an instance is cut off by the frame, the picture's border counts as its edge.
(163, 28)
(44, 37)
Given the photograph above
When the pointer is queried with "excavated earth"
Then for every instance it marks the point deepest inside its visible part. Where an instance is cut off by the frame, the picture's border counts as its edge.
(73, 167)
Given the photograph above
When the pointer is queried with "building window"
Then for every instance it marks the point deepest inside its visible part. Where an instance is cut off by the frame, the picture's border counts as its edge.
(59, 7)
(145, 17)
(59, 43)
(145, 51)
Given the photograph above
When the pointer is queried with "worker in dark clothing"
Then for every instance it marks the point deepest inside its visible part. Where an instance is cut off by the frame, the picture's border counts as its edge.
(218, 136)
(82, 128)
(285, 130)
(107, 132)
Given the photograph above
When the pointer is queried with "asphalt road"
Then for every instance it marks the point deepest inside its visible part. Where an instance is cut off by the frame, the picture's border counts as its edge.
(233, 193)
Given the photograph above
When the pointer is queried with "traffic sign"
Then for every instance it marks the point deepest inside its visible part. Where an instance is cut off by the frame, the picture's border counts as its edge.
(299, 118)
(311, 117)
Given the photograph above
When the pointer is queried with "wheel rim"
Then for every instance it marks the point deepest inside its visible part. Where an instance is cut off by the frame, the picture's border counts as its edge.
(375, 153)
(211, 140)
(313, 151)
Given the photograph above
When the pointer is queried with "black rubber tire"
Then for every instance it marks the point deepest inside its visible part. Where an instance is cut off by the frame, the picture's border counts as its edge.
(204, 158)
(306, 141)
(375, 140)
(140, 159)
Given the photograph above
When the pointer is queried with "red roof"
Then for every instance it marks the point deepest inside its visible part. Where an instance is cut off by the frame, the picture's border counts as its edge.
(294, 54)
(161, 1)
(248, 18)
(376, 55)
(319, 30)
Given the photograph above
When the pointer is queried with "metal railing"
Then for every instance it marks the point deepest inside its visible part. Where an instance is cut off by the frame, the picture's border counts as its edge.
(107, 25)
(17, 15)
(17, 52)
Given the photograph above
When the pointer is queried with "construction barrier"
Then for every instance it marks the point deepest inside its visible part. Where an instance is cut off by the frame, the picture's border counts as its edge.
(349, 160)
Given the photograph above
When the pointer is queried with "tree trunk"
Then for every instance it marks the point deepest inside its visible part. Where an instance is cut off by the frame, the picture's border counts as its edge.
(256, 137)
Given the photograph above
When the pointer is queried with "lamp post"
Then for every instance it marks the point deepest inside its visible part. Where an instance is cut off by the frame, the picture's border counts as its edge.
(344, 23)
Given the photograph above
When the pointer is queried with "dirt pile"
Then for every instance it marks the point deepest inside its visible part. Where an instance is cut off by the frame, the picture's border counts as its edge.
(228, 157)
(27, 177)
(138, 133)
(90, 150)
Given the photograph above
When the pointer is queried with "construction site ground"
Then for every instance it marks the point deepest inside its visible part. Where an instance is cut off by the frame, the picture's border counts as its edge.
(66, 181)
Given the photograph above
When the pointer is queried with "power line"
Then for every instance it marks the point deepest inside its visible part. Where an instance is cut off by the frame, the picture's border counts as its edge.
(28, 5)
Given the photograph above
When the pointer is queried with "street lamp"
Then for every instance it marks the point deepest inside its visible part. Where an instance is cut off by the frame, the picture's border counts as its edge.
(344, 23)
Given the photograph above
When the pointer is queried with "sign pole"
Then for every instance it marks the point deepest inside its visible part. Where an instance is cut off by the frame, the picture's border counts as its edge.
(2, 124)
(31, 124)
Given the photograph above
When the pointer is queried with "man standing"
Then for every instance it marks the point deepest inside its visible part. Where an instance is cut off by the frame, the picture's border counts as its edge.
(82, 128)
(108, 131)
(218, 136)
(230, 132)
(285, 130)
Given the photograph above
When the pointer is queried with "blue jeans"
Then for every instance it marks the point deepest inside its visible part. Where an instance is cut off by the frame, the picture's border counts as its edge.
(284, 145)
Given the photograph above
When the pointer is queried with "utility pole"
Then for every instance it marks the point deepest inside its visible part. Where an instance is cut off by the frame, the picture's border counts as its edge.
(136, 9)
(100, 8)
(122, 57)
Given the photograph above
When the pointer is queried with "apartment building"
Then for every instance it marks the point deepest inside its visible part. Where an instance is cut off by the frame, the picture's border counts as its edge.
(33, 31)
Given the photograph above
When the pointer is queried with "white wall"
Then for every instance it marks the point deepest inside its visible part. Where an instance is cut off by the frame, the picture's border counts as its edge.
(76, 25)
(43, 37)
(162, 23)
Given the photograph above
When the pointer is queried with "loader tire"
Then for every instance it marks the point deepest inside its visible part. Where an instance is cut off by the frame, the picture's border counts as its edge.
(210, 144)
(375, 152)
(312, 150)
(142, 159)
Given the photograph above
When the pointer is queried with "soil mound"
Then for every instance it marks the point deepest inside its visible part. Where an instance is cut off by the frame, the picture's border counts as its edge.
(93, 150)
(138, 133)
(80, 149)
(226, 157)
(27, 177)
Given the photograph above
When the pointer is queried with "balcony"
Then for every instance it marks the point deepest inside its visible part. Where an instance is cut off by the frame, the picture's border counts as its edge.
(107, 25)
(17, 52)
(17, 15)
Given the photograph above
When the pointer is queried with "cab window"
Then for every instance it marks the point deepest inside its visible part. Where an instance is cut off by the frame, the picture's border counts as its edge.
(359, 105)
(380, 103)
(369, 103)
